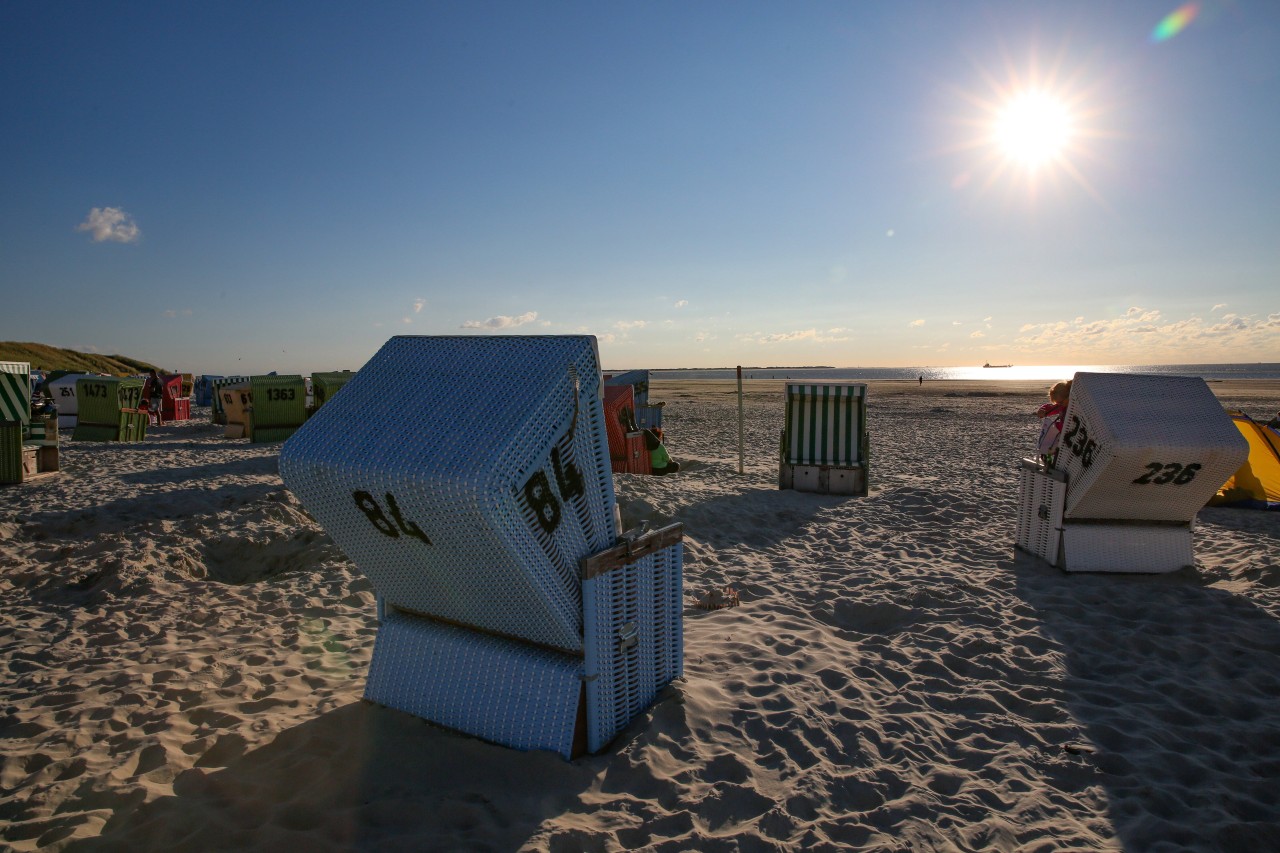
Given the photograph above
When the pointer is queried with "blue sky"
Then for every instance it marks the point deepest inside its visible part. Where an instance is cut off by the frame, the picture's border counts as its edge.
(242, 187)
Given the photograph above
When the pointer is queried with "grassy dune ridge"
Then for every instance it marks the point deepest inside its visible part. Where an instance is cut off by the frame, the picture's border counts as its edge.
(45, 357)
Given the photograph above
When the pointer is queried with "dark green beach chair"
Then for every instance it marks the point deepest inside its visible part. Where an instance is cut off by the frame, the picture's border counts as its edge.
(325, 385)
(109, 409)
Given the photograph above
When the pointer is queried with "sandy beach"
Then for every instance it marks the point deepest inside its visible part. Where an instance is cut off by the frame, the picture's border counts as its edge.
(184, 652)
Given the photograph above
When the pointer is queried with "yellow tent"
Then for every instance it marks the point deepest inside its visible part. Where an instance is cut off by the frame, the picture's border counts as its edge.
(1257, 484)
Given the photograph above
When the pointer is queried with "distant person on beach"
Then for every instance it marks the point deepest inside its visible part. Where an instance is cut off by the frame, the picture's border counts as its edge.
(1052, 414)
(153, 390)
(922, 379)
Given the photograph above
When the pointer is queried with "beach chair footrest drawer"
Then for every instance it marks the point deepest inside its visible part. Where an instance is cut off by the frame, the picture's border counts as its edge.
(1128, 548)
(507, 692)
(825, 479)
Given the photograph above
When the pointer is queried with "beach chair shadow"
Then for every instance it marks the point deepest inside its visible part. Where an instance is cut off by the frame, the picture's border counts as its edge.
(359, 777)
(1139, 457)
(824, 445)
(483, 511)
(1173, 684)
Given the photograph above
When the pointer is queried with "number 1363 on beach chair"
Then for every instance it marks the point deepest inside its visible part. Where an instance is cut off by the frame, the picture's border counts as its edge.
(483, 511)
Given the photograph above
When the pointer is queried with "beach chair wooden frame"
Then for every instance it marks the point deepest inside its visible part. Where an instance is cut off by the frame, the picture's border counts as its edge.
(483, 511)
(825, 446)
(1139, 456)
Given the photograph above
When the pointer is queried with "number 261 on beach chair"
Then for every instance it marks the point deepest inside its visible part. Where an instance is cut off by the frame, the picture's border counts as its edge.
(825, 447)
(483, 511)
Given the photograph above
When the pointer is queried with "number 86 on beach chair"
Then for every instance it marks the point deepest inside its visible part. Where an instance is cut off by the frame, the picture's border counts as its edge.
(482, 509)
(1139, 456)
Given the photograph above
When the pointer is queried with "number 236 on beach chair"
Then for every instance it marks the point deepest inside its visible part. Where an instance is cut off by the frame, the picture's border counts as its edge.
(483, 511)
(824, 445)
(1139, 456)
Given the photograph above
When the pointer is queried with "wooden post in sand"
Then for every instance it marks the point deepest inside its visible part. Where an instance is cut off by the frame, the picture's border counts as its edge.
(739, 418)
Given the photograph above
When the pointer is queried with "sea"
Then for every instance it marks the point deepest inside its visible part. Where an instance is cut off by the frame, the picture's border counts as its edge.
(1033, 373)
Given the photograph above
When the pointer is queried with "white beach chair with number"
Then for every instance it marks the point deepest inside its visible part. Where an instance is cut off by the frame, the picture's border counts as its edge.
(482, 509)
(825, 447)
(1139, 456)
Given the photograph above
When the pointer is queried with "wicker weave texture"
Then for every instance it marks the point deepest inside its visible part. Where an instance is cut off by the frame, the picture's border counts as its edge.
(1135, 548)
(634, 640)
(481, 488)
(824, 423)
(503, 691)
(1145, 447)
(1040, 503)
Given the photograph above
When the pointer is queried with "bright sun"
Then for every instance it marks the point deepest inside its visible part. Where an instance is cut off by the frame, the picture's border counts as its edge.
(1034, 129)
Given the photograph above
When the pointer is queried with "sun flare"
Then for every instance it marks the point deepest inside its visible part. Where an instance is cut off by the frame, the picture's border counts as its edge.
(1033, 128)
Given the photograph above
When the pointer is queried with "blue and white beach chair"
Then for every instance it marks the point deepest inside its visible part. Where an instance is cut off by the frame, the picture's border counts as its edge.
(482, 509)
(1139, 456)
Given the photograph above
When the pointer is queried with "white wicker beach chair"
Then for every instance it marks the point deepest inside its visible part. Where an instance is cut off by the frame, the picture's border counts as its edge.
(482, 509)
(1139, 456)
(824, 445)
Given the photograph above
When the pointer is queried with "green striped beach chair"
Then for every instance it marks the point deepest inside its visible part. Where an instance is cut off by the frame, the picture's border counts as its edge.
(15, 392)
(824, 444)
(277, 407)
(25, 454)
(108, 409)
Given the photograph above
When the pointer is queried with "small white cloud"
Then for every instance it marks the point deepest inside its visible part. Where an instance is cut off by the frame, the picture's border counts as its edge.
(110, 223)
(889, 233)
(545, 323)
(956, 323)
(606, 338)
(977, 334)
(627, 325)
(169, 314)
(915, 323)
(406, 320)
(1216, 307)
(502, 321)
(1135, 310)
(681, 303)
(418, 305)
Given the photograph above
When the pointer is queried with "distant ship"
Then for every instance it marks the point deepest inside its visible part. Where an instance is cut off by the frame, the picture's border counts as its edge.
(997, 365)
